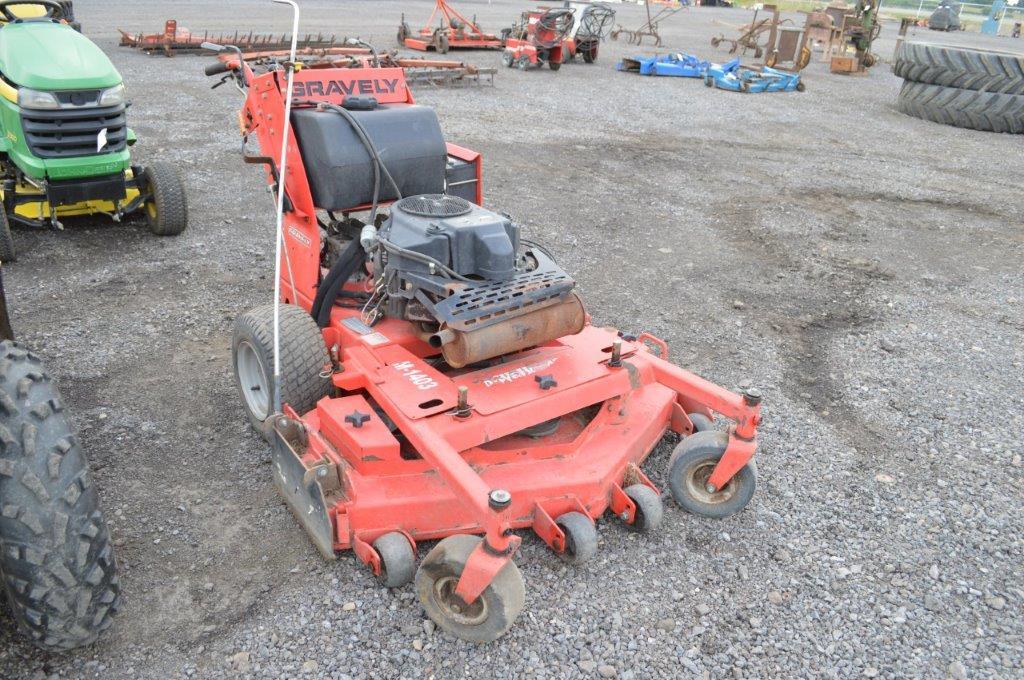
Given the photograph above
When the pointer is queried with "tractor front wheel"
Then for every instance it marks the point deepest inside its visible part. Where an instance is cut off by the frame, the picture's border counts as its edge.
(56, 561)
(485, 619)
(691, 465)
(7, 251)
(303, 360)
(167, 206)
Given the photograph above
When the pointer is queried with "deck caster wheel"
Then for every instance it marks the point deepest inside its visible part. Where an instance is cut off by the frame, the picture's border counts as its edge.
(701, 422)
(691, 465)
(485, 619)
(580, 537)
(649, 509)
(397, 560)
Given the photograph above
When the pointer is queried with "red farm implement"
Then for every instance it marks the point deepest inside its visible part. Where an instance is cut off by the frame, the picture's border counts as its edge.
(179, 40)
(539, 38)
(452, 31)
(425, 372)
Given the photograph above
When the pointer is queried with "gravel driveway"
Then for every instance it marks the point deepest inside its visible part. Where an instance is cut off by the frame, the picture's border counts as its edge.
(862, 267)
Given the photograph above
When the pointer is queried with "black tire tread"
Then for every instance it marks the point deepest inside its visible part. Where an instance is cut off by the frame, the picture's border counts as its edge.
(986, 111)
(960, 67)
(171, 202)
(7, 251)
(56, 560)
(303, 353)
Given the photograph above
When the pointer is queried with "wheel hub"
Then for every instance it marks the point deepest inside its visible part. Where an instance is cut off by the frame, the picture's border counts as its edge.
(253, 379)
(454, 607)
(698, 486)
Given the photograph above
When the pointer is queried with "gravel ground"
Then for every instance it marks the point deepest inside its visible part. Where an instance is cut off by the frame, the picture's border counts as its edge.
(861, 266)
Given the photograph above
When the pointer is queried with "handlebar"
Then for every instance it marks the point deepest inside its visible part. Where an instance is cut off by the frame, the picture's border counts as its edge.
(215, 69)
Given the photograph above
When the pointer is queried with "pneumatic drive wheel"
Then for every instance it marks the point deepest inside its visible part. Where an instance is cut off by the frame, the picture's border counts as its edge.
(167, 206)
(303, 361)
(7, 251)
(56, 561)
(691, 465)
(485, 619)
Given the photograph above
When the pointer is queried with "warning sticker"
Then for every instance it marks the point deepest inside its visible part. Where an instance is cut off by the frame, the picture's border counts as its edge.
(374, 339)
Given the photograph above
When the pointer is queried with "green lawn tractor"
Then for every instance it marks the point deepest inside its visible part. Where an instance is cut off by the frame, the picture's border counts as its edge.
(56, 563)
(63, 134)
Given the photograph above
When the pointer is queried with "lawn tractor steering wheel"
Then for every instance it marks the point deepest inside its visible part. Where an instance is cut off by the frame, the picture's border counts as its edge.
(553, 27)
(54, 10)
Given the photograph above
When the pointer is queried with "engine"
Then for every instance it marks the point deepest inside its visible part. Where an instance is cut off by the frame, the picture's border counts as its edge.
(463, 274)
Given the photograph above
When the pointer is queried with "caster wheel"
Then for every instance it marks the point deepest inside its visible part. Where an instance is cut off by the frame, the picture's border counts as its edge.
(649, 509)
(692, 463)
(580, 537)
(508, 60)
(488, 617)
(701, 422)
(397, 560)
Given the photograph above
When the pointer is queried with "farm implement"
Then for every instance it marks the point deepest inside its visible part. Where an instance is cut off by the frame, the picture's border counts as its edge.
(591, 24)
(538, 38)
(179, 40)
(678, 65)
(732, 76)
(453, 31)
(417, 70)
(425, 372)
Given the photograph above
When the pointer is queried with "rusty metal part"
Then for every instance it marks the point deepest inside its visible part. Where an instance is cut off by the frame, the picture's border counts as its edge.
(650, 27)
(461, 348)
(420, 71)
(175, 40)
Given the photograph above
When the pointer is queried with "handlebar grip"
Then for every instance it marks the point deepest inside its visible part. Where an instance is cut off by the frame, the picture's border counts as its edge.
(214, 69)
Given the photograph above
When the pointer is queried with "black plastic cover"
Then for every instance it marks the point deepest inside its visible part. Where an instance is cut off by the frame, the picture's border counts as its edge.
(340, 170)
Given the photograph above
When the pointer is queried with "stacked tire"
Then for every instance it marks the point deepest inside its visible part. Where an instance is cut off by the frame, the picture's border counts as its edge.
(968, 88)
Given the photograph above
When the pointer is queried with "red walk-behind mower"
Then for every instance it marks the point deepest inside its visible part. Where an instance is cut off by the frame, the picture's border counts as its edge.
(453, 31)
(538, 38)
(425, 372)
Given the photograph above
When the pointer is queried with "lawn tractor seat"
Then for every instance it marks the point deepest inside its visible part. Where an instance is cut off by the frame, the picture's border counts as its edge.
(340, 169)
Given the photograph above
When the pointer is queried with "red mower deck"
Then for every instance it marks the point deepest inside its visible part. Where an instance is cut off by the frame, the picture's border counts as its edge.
(398, 446)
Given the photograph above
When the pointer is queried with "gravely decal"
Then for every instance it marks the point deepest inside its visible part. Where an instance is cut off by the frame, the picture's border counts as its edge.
(326, 88)
(298, 236)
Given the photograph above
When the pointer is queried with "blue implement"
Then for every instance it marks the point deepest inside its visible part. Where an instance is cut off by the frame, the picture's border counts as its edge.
(679, 65)
(733, 77)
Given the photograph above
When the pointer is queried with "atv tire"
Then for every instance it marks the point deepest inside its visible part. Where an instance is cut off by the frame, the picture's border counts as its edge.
(303, 360)
(986, 111)
(167, 209)
(962, 67)
(7, 251)
(56, 562)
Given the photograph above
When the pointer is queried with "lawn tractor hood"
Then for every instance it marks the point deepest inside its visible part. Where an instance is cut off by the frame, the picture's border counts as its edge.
(49, 56)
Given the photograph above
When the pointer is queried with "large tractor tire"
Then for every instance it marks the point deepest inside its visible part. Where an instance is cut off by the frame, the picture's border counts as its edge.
(56, 561)
(303, 360)
(167, 209)
(7, 251)
(986, 111)
(962, 67)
